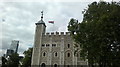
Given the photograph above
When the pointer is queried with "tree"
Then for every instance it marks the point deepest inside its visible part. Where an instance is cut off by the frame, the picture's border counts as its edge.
(4, 62)
(13, 60)
(98, 34)
(27, 58)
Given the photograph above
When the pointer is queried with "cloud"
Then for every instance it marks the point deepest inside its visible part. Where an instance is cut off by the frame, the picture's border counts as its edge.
(54, 0)
(18, 25)
(20, 19)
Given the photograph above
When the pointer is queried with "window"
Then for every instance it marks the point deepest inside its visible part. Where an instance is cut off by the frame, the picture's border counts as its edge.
(56, 54)
(68, 45)
(43, 65)
(55, 65)
(68, 65)
(43, 45)
(44, 54)
(53, 45)
(47, 45)
(68, 54)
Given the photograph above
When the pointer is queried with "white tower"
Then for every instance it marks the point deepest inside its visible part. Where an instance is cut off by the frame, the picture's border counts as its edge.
(39, 32)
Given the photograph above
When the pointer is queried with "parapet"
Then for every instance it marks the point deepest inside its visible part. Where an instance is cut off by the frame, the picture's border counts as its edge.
(52, 33)
(67, 33)
(62, 33)
(57, 33)
(47, 33)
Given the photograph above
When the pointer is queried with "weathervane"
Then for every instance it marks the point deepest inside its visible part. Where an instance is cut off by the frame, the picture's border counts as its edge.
(41, 15)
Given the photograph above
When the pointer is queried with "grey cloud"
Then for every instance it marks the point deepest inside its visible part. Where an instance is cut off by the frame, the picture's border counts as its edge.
(2, 51)
(53, 28)
(21, 18)
(6, 43)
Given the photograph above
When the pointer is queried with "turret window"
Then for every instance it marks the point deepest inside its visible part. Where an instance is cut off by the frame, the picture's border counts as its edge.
(55, 54)
(68, 54)
(44, 54)
(68, 45)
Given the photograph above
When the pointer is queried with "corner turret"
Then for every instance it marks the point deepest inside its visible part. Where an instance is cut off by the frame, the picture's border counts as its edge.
(39, 32)
(41, 21)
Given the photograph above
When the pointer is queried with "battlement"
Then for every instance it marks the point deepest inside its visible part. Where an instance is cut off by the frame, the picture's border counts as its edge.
(57, 33)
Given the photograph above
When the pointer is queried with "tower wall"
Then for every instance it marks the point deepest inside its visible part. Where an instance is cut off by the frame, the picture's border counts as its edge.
(40, 30)
(61, 40)
(47, 45)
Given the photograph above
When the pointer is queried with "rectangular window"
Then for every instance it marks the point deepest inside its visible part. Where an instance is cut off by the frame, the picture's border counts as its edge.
(68, 45)
(53, 45)
(47, 45)
(43, 45)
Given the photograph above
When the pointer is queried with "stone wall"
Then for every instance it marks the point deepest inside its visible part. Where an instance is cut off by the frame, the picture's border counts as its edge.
(60, 43)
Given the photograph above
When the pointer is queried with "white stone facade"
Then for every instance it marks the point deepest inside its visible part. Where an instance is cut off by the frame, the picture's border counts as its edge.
(56, 48)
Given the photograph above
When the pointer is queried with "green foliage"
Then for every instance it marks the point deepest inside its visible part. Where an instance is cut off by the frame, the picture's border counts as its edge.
(73, 25)
(27, 58)
(4, 60)
(13, 60)
(98, 34)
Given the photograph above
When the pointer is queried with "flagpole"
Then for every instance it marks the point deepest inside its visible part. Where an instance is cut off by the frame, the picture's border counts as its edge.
(53, 28)
(52, 22)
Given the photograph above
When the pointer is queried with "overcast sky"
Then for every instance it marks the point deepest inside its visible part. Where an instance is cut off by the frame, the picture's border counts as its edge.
(18, 18)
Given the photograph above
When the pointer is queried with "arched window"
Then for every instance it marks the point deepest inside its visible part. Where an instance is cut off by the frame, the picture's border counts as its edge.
(43, 65)
(68, 54)
(68, 65)
(55, 65)
(68, 45)
(44, 54)
(56, 54)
